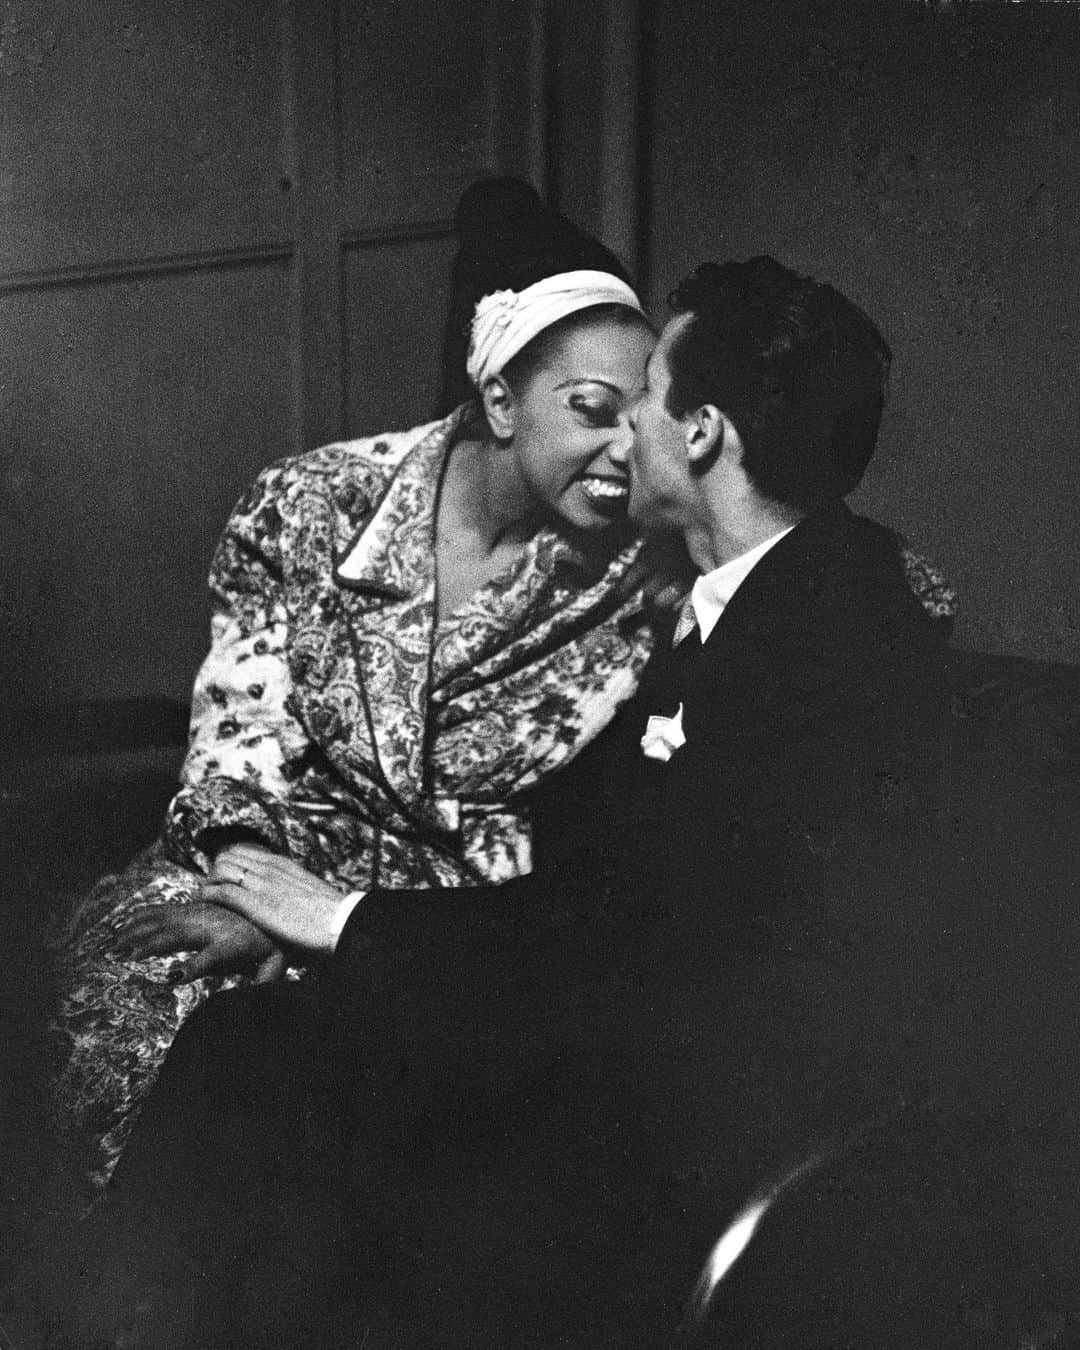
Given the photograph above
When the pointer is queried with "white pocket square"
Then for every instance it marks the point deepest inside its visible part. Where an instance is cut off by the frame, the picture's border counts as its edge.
(663, 736)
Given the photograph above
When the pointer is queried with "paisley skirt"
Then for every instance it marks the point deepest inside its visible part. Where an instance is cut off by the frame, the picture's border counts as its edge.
(116, 1017)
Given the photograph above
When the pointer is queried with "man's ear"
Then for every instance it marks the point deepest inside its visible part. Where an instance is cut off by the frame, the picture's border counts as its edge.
(706, 431)
(500, 407)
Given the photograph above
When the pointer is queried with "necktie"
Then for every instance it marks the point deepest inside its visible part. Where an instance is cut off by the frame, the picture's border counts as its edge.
(687, 623)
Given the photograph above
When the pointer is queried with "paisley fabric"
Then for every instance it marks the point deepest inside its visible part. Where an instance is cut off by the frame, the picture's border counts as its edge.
(929, 585)
(118, 1017)
(338, 721)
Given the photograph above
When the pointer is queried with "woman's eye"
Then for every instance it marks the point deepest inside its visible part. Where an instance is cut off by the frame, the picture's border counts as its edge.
(596, 414)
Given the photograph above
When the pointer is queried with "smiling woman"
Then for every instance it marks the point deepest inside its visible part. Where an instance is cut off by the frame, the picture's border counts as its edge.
(561, 416)
(584, 387)
(557, 368)
(411, 631)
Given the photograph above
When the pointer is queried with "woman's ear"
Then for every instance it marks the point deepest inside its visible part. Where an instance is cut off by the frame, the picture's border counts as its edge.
(500, 407)
(706, 430)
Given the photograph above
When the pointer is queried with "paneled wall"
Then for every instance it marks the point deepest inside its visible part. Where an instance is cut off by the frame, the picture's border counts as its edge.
(224, 237)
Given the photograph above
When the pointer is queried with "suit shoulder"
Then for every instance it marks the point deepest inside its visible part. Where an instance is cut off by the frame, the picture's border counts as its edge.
(876, 539)
(885, 566)
(868, 629)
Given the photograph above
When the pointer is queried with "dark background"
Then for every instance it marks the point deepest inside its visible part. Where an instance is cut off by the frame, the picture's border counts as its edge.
(931, 169)
(225, 237)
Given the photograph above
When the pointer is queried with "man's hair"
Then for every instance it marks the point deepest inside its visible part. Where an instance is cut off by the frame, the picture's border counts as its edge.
(799, 370)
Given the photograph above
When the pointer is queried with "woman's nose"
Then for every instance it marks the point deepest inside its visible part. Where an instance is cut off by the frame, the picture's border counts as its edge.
(621, 441)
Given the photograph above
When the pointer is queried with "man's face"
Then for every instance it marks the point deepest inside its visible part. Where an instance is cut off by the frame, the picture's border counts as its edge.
(660, 482)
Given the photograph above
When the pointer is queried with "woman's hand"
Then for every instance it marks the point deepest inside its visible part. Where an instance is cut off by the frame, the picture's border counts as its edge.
(222, 942)
(283, 898)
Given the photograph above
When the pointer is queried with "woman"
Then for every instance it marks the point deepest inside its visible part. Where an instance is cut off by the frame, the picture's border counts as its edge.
(410, 632)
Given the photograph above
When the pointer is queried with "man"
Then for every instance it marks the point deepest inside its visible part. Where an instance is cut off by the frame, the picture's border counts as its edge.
(731, 978)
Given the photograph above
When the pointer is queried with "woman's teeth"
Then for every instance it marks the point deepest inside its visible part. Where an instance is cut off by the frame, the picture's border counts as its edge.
(605, 491)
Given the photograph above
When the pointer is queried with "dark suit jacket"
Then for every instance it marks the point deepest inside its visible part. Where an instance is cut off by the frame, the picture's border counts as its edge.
(710, 977)
(788, 944)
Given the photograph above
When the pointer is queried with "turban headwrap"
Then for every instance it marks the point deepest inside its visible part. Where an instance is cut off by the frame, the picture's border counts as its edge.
(505, 321)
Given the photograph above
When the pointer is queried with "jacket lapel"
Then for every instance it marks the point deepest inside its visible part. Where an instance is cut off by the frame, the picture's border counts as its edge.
(392, 554)
(748, 657)
(373, 623)
(768, 616)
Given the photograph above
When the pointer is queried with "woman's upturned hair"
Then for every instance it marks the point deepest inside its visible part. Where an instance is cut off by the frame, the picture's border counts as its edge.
(799, 369)
(507, 240)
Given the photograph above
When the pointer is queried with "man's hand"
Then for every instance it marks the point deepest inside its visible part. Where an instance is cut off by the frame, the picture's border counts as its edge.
(222, 943)
(281, 897)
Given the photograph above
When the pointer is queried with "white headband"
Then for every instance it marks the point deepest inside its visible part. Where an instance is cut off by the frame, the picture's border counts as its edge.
(506, 320)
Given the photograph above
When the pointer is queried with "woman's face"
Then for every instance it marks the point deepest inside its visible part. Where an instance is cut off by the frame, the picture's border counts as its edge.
(569, 414)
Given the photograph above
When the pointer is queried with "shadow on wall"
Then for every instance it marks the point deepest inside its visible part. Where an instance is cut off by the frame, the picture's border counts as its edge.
(928, 165)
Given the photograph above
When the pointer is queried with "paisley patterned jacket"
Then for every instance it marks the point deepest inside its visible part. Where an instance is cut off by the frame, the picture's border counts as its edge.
(337, 720)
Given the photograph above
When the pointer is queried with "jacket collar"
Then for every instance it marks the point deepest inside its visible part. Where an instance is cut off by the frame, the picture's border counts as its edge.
(393, 553)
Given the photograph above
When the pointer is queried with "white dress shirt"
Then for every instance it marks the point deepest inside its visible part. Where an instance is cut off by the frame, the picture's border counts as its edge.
(713, 591)
(341, 917)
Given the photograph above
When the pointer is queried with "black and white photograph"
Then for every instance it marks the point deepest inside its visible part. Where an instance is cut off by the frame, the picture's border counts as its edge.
(540, 674)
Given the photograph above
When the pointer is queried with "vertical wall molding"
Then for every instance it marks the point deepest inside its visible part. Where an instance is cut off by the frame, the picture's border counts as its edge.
(517, 71)
(290, 173)
(318, 291)
(539, 97)
(620, 131)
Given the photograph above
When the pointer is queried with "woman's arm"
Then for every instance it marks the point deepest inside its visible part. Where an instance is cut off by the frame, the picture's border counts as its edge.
(246, 745)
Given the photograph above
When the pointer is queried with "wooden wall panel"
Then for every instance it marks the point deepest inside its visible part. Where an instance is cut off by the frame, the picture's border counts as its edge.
(415, 103)
(129, 130)
(136, 413)
(396, 300)
(225, 235)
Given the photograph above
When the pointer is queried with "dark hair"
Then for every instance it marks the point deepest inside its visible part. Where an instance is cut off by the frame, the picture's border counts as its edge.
(508, 239)
(799, 369)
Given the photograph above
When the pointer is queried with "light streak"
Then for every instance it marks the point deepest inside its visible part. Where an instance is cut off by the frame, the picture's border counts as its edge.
(736, 1238)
